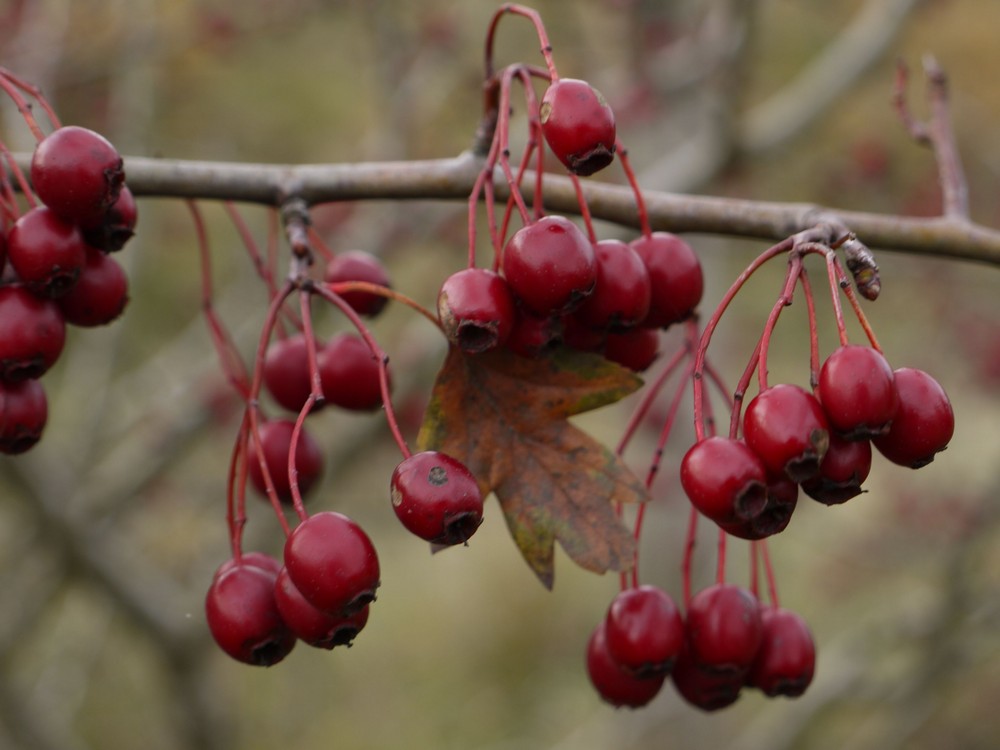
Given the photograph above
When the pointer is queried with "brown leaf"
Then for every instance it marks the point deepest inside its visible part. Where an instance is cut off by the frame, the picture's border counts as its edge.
(505, 417)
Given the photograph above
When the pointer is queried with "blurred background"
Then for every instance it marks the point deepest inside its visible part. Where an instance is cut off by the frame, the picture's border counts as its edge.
(111, 527)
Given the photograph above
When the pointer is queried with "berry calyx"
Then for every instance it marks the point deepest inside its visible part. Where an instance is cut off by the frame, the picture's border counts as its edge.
(311, 626)
(644, 631)
(99, 295)
(724, 630)
(47, 252)
(786, 660)
(116, 227)
(785, 426)
(32, 334)
(476, 310)
(924, 423)
(436, 498)
(675, 275)
(276, 443)
(782, 497)
(348, 372)
(843, 470)
(358, 265)
(858, 392)
(724, 480)
(578, 125)
(621, 296)
(615, 685)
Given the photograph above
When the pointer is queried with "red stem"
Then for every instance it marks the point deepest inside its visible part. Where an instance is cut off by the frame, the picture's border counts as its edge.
(640, 201)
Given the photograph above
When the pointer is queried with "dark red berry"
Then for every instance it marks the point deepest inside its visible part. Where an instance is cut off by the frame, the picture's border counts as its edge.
(580, 336)
(858, 392)
(578, 125)
(32, 334)
(534, 336)
(47, 252)
(785, 426)
(476, 309)
(331, 560)
(550, 265)
(644, 631)
(357, 265)
(437, 498)
(286, 371)
(724, 480)
(117, 226)
(786, 660)
(708, 691)
(782, 497)
(99, 295)
(276, 439)
(924, 423)
(636, 349)
(349, 373)
(614, 684)
(23, 413)
(620, 299)
(724, 629)
(675, 275)
(243, 616)
(311, 626)
(77, 173)
(843, 470)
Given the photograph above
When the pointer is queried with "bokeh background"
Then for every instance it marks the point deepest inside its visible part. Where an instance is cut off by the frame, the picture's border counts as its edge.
(111, 527)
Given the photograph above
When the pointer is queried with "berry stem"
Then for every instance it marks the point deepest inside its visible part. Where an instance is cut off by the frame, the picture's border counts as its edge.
(783, 301)
(584, 209)
(315, 397)
(688, 559)
(640, 201)
(543, 37)
(236, 516)
(772, 585)
(19, 176)
(11, 85)
(342, 287)
(720, 570)
(835, 287)
(810, 298)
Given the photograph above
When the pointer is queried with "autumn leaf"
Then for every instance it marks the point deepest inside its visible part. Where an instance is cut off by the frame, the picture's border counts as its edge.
(505, 417)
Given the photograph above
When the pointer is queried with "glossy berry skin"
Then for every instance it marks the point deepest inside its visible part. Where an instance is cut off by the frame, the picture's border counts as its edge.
(858, 392)
(77, 173)
(243, 616)
(23, 413)
(676, 279)
(333, 563)
(32, 334)
(476, 309)
(276, 440)
(924, 423)
(578, 125)
(615, 685)
(311, 626)
(620, 299)
(286, 371)
(702, 689)
(100, 294)
(349, 373)
(436, 498)
(843, 470)
(782, 498)
(116, 227)
(785, 426)
(255, 559)
(724, 630)
(550, 266)
(637, 349)
(534, 336)
(724, 480)
(357, 265)
(47, 252)
(644, 631)
(786, 661)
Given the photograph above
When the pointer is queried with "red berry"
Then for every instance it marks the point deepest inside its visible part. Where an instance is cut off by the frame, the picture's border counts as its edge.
(349, 373)
(580, 336)
(858, 392)
(476, 309)
(724, 629)
(614, 684)
(534, 336)
(724, 480)
(636, 349)
(708, 691)
(843, 470)
(675, 275)
(311, 626)
(23, 413)
(117, 226)
(99, 295)
(786, 427)
(644, 631)
(243, 616)
(782, 497)
(437, 498)
(620, 299)
(550, 265)
(786, 661)
(923, 424)
(77, 173)
(32, 334)
(333, 563)
(357, 265)
(276, 440)
(47, 252)
(255, 559)
(578, 125)
(286, 371)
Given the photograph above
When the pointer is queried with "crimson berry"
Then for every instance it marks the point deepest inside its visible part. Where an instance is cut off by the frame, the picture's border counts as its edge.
(786, 660)
(331, 560)
(32, 333)
(117, 226)
(785, 426)
(923, 424)
(675, 275)
(644, 631)
(724, 480)
(580, 336)
(23, 413)
(533, 336)
(99, 295)
(636, 349)
(47, 252)
(243, 616)
(476, 309)
(311, 626)
(578, 125)
(357, 265)
(620, 299)
(276, 441)
(550, 265)
(615, 685)
(858, 392)
(437, 498)
(77, 173)
(256, 559)
(348, 372)
(286, 371)
(782, 497)
(724, 629)
(708, 691)
(843, 470)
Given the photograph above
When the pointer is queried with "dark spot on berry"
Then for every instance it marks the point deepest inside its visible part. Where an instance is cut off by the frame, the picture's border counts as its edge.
(438, 476)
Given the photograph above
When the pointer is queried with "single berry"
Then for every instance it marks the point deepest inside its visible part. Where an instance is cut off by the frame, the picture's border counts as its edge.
(311, 626)
(117, 226)
(476, 309)
(644, 631)
(782, 497)
(349, 373)
(550, 265)
(786, 661)
(286, 371)
(243, 616)
(331, 560)
(99, 295)
(705, 690)
(437, 498)
(47, 252)
(724, 629)
(23, 412)
(675, 275)
(357, 265)
(276, 441)
(620, 299)
(724, 480)
(578, 125)
(923, 424)
(612, 682)
(843, 470)
(636, 349)
(858, 392)
(785, 426)
(77, 173)
(32, 333)
(534, 336)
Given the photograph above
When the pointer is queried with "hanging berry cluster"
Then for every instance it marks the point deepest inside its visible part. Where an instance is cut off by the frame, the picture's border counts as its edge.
(55, 245)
